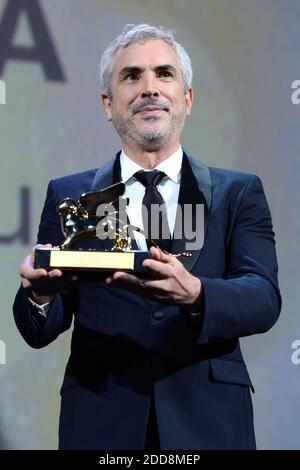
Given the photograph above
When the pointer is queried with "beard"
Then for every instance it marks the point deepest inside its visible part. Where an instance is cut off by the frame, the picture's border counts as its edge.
(150, 135)
(152, 132)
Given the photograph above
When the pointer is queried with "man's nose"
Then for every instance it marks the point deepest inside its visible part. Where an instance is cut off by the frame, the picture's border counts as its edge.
(149, 86)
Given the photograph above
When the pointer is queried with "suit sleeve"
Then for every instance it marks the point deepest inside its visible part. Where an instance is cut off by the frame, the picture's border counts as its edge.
(38, 332)
(247, 300)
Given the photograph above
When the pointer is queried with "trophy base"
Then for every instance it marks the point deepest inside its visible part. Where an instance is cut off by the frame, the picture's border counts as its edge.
(90, 260)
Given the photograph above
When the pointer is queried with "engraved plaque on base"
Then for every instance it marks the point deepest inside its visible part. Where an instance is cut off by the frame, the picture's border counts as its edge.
(90, 260)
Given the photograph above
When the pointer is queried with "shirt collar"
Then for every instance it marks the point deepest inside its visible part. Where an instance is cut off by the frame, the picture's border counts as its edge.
(171, 166)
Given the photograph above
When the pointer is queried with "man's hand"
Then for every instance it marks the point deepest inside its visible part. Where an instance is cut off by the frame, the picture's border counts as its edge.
(168, 281)
(42, 285)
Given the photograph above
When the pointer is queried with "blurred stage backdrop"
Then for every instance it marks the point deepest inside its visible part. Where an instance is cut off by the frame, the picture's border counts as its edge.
(245, 56)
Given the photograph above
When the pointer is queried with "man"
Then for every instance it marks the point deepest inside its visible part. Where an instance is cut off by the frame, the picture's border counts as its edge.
(155, 360)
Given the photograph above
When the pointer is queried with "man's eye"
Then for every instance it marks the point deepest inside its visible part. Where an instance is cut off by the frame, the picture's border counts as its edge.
(165, 73)
(131, 76)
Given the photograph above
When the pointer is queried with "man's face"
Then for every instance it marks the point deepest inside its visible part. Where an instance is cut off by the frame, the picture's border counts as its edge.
(148, 106)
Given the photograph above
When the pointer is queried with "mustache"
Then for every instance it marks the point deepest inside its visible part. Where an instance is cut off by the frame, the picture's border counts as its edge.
(150, 102)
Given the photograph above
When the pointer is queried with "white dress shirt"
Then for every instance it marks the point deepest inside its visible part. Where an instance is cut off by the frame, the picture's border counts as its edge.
(168, 188)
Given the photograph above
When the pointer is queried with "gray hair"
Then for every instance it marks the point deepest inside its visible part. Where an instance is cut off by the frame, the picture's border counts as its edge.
(132, 34)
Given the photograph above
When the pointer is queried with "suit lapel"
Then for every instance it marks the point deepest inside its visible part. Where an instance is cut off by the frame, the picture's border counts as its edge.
(195, 188)
(107, 174)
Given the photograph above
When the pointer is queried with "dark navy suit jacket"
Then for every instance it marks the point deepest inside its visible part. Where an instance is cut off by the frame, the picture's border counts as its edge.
(124, 347)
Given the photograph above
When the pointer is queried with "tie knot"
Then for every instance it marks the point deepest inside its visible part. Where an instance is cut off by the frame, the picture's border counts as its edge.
(149, 178)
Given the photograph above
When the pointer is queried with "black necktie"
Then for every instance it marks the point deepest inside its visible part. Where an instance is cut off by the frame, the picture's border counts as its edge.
(157, 225)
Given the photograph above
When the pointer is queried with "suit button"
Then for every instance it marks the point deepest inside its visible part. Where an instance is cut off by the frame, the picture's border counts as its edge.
(158, 315)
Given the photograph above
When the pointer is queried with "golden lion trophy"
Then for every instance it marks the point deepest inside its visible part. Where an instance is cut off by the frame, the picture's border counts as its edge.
(94, 216)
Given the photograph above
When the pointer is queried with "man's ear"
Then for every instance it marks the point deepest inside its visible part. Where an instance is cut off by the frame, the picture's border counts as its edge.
(106, 105)
(189, 101)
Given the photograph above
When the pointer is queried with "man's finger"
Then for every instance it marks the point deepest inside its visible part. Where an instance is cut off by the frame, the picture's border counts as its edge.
(159, 255)
(157, 266)
(33, 274)
(122, 277)
(54, 273)
(158, 286)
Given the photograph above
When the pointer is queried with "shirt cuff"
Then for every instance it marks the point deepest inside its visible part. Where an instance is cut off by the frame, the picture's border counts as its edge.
(41, 309)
